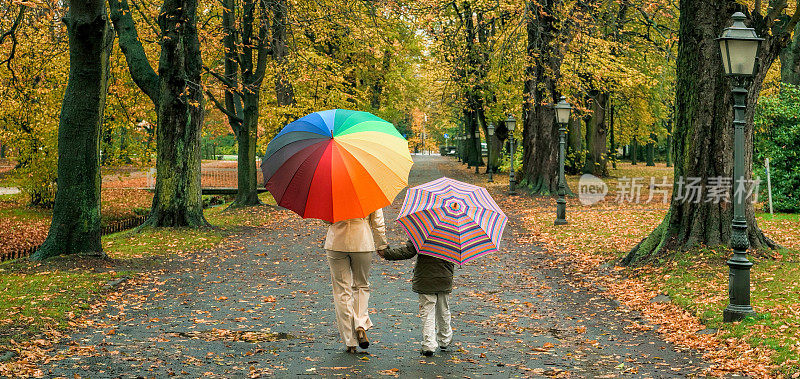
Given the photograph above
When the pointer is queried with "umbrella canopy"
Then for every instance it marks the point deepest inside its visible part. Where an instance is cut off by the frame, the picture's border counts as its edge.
(336, 165)
(452, 220)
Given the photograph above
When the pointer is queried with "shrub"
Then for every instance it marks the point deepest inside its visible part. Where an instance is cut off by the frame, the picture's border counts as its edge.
(37, 177)
(777, 126)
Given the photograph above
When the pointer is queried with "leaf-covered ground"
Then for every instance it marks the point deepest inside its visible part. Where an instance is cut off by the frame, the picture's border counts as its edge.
(23, 226)
(260, 304)
(695, 281)
(553, 303)
(40, 301)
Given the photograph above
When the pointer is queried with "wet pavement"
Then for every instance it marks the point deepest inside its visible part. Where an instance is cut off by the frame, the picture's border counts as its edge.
(261, 305)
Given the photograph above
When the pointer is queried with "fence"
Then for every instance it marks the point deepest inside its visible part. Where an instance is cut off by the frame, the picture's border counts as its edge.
(114, 227)
(213, 177)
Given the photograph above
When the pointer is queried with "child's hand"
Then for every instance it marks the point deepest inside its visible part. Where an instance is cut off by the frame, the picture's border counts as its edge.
(380, 253)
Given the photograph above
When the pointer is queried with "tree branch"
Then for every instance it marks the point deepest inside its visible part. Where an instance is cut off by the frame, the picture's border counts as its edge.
(12, 33)
(227, 82)
(789, 27)
(233, 117)
(263, 49)
(142, 73)
(773, 13)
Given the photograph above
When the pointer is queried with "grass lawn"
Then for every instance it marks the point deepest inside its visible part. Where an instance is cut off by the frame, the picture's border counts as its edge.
(38, 300)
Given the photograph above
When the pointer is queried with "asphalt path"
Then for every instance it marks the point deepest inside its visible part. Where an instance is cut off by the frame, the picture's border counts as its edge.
(260, 305)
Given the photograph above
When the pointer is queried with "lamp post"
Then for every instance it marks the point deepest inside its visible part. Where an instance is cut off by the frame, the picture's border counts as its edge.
(511, 124)
(739, 46)
(490, 128)
(480, 151)
(563, 109)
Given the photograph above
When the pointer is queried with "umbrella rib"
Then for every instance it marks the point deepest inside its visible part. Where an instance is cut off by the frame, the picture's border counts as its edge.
(307, 186)
(389, 169)
(273, 169)
(369, 176)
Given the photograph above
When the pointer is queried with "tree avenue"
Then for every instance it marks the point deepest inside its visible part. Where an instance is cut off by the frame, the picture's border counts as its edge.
(643, 76)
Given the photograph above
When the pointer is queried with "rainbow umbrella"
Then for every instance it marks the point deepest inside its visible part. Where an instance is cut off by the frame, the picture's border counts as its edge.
(452, 220)
(336, 165)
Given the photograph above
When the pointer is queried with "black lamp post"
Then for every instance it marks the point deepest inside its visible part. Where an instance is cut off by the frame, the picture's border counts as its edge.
(739, 46)
(511, 124)
(563, 109)
(489, 128)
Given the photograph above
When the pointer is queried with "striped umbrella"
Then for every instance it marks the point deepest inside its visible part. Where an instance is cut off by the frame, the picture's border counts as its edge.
(452, 220)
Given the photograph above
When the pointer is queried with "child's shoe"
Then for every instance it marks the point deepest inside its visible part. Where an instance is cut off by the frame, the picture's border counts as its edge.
(426, 353)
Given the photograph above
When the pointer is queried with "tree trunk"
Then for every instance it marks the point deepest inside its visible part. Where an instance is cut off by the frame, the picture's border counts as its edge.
(247, 193)
(634, 151)
(596, 137)
(473, 75)
(650, 150)
(76, 216)
(473, 154)
(703, 135)
(242, 101)
(178, 197)
(574, 145)
(669, 141)
(790, 60)
(178, 97)
(495, 146)
(613, 143)
(540, 132)
(284, 90)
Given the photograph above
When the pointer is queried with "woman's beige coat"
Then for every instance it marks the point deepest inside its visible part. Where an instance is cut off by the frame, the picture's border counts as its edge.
(357, 235)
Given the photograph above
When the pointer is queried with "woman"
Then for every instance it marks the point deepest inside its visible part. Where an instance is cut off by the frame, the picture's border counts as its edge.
(349, 246)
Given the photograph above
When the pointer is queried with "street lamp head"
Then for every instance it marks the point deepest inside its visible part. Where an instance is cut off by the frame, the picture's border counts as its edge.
(563, 109)
(739, 46)
(511, 123)
(490, 128)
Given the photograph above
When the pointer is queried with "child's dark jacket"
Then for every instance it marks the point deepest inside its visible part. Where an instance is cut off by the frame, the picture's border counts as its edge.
(431, 275)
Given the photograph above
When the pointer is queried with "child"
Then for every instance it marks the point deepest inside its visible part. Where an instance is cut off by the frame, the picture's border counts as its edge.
(433, 281)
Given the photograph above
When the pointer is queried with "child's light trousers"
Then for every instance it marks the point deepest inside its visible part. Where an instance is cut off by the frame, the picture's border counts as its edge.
(435, 312)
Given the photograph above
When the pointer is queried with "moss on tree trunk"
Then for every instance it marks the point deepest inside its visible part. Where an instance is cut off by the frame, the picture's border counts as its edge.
(540, 131)
(75, 226)
(178, 197)
(247, 193)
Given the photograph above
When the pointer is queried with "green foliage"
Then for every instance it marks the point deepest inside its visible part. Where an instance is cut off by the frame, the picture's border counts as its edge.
(777, 124)
(37, 175)
(505, 162)
(574, 161)
(213, 146)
